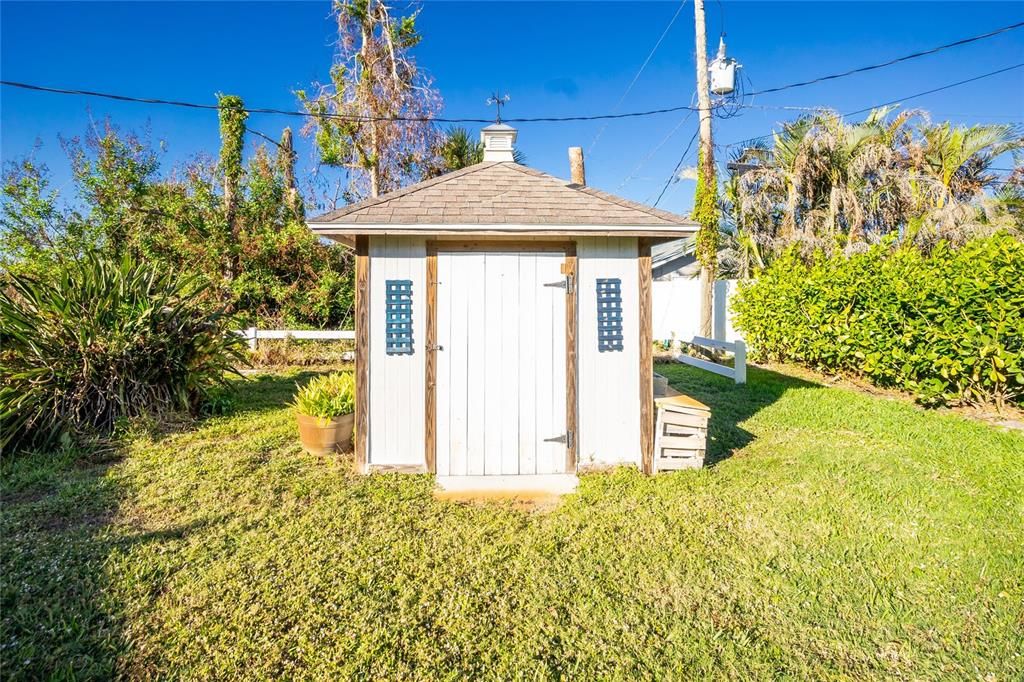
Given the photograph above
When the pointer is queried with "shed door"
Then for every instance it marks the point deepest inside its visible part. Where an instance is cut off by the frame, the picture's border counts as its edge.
(501, 368)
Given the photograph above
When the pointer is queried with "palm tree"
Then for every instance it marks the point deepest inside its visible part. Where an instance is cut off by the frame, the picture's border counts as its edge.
(740, 253)
(959, 159)
(457, 149)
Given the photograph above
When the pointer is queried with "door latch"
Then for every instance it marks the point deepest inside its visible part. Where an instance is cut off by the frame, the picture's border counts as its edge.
(435, 347)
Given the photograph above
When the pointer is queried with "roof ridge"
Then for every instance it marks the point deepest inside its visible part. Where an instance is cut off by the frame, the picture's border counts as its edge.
(602, 195)
(629, 203)
(403, 191)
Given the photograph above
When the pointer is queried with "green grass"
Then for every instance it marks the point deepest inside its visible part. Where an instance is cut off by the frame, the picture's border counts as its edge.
(837, 536)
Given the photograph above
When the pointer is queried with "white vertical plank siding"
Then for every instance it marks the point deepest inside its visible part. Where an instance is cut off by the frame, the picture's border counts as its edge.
(458, 355)
(492, 368)
(559, 388)
(397, 381)
(507, 274)
(530, 301)
(476, 363)
(609, 382)
(550, 320)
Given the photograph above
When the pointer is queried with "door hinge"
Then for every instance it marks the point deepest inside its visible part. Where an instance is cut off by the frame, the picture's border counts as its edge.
(566, 284)
(566, 438)
(435, 347)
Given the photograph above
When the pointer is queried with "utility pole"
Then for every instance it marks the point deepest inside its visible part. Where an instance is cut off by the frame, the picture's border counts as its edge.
(705, 211)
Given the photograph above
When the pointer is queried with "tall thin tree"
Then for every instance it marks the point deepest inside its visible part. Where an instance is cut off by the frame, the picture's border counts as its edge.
(286, 162)
(232, 136)
(372, 119)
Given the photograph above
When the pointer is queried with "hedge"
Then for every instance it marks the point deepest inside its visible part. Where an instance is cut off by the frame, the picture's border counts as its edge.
(947, 326)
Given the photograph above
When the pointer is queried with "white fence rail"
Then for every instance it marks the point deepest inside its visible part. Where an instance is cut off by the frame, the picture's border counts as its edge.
(739, 350)
(253, 335)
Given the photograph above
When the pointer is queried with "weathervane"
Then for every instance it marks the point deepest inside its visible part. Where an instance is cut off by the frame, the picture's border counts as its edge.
(498, 102)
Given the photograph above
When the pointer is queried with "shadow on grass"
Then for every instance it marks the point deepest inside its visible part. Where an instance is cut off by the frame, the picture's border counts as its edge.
(731, 403)
(61, 615)
(270, 391)
(55, 516)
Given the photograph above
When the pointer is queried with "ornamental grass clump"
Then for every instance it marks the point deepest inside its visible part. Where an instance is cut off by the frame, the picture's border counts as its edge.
(327, 397)
(98, 340)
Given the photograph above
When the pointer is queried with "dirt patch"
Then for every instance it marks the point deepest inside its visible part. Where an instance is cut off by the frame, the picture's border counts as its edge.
(522, 500)
(60, 523)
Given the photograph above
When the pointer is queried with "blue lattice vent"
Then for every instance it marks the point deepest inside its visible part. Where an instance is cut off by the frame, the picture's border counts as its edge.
(609, 314)
(399, 316)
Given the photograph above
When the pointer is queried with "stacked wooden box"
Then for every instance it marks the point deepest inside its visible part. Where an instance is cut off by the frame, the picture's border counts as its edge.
(681, 432)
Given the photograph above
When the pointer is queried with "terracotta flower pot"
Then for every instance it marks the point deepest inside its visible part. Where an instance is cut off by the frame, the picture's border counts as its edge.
(325, 436)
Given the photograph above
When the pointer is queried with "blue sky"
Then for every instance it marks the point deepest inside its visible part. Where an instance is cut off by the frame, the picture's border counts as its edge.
(554, 59)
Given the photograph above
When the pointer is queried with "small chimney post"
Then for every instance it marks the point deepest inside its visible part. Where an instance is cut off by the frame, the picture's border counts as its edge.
(577, 172)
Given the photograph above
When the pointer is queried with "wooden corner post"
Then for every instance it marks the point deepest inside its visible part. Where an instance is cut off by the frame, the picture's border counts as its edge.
(430, 384)
(362, 350)
(646, 358)
(570, 358)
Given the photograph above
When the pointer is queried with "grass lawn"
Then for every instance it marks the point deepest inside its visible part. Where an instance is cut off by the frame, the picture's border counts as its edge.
(837, 535)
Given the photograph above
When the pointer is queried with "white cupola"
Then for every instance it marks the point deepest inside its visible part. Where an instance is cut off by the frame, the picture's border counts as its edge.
(498, 140)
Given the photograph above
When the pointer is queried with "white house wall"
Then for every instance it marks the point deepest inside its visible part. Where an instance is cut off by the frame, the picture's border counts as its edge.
(397, 382)
(608, 382)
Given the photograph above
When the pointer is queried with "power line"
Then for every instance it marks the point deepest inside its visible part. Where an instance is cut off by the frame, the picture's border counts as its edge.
(897, 60)
(266, 137)
(643, 66)
(899, 100)
(343, 117)
(678, 166)
(654, 151)
(939, 89)
(539, 119)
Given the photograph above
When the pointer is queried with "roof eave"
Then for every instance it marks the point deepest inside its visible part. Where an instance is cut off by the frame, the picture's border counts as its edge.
(338, 231)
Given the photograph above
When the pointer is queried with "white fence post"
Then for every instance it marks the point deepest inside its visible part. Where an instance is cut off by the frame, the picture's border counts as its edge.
(250, 334)
(740, 362)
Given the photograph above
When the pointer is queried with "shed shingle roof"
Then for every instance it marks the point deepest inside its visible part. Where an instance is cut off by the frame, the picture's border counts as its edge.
(500, 194)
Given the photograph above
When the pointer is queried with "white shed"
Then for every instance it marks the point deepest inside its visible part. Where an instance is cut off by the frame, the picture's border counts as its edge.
(503, 322)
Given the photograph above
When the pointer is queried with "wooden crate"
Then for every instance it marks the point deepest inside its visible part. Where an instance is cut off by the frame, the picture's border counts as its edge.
(680, 433)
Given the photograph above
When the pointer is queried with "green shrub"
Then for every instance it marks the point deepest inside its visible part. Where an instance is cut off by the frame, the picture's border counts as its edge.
(947, 326)
(98, 340)
(328, 396)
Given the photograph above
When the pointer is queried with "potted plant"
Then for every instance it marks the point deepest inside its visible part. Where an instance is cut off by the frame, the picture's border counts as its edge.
(325, 409)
